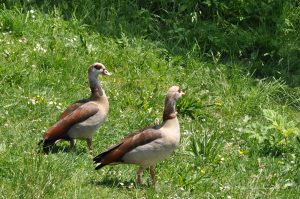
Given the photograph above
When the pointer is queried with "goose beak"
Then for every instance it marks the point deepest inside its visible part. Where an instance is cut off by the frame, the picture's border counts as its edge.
(105, 72)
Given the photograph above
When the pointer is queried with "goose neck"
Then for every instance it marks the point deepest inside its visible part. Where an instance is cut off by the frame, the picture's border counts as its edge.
(96, 89)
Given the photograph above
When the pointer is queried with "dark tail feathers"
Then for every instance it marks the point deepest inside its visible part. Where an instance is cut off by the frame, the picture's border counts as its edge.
(99, 166)
(46, 145)
(97, 160)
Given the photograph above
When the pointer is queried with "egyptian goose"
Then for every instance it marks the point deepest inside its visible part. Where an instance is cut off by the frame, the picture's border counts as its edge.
(149, 145)
(84, 117)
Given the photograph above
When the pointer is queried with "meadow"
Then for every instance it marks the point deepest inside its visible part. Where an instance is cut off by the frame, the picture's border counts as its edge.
(240, 134)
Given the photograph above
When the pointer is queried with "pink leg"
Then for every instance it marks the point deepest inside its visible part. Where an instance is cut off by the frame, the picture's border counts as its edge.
(139, 175)
(72, 145)
(152, 173)
(90, 146)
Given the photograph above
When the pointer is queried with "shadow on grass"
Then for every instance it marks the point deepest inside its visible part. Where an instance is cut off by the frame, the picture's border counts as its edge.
(63, 148)
(167, 24)
(114, 182)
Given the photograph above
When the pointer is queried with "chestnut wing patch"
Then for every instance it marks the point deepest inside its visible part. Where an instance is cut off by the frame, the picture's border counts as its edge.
(59, 129)
(73, 107)
(115, 153)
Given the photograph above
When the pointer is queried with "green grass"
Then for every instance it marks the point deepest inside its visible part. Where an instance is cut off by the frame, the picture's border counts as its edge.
(43, 69)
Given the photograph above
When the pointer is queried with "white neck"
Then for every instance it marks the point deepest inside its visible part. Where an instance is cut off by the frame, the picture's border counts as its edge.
(171, 131)
(171, 124)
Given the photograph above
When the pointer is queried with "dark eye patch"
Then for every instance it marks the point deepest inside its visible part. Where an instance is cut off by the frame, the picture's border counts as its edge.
(98, 66)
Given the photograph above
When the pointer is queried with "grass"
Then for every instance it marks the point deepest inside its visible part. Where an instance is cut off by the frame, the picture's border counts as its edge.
(43, 68)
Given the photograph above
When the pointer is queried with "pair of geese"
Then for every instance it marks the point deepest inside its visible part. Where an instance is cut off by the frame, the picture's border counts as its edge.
(145, 147)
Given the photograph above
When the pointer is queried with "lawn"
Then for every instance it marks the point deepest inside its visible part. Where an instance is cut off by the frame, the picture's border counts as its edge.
(239, 133)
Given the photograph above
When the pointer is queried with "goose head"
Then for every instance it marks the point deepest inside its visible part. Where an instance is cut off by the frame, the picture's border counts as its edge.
(98, 68)
(175, 93)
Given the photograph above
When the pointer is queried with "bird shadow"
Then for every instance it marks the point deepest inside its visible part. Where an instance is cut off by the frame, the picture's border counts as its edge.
(114, 182)
(62, 148)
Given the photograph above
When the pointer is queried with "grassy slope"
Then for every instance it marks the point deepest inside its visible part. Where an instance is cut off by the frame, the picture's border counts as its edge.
(43, 69)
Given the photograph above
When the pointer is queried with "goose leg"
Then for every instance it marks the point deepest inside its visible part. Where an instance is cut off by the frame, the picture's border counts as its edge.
(152, 173)
(90, 145)
(72, 145)
(139, 175)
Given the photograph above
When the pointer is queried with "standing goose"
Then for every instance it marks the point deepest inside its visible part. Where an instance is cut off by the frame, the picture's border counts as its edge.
(149, 145)
(83, 118)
